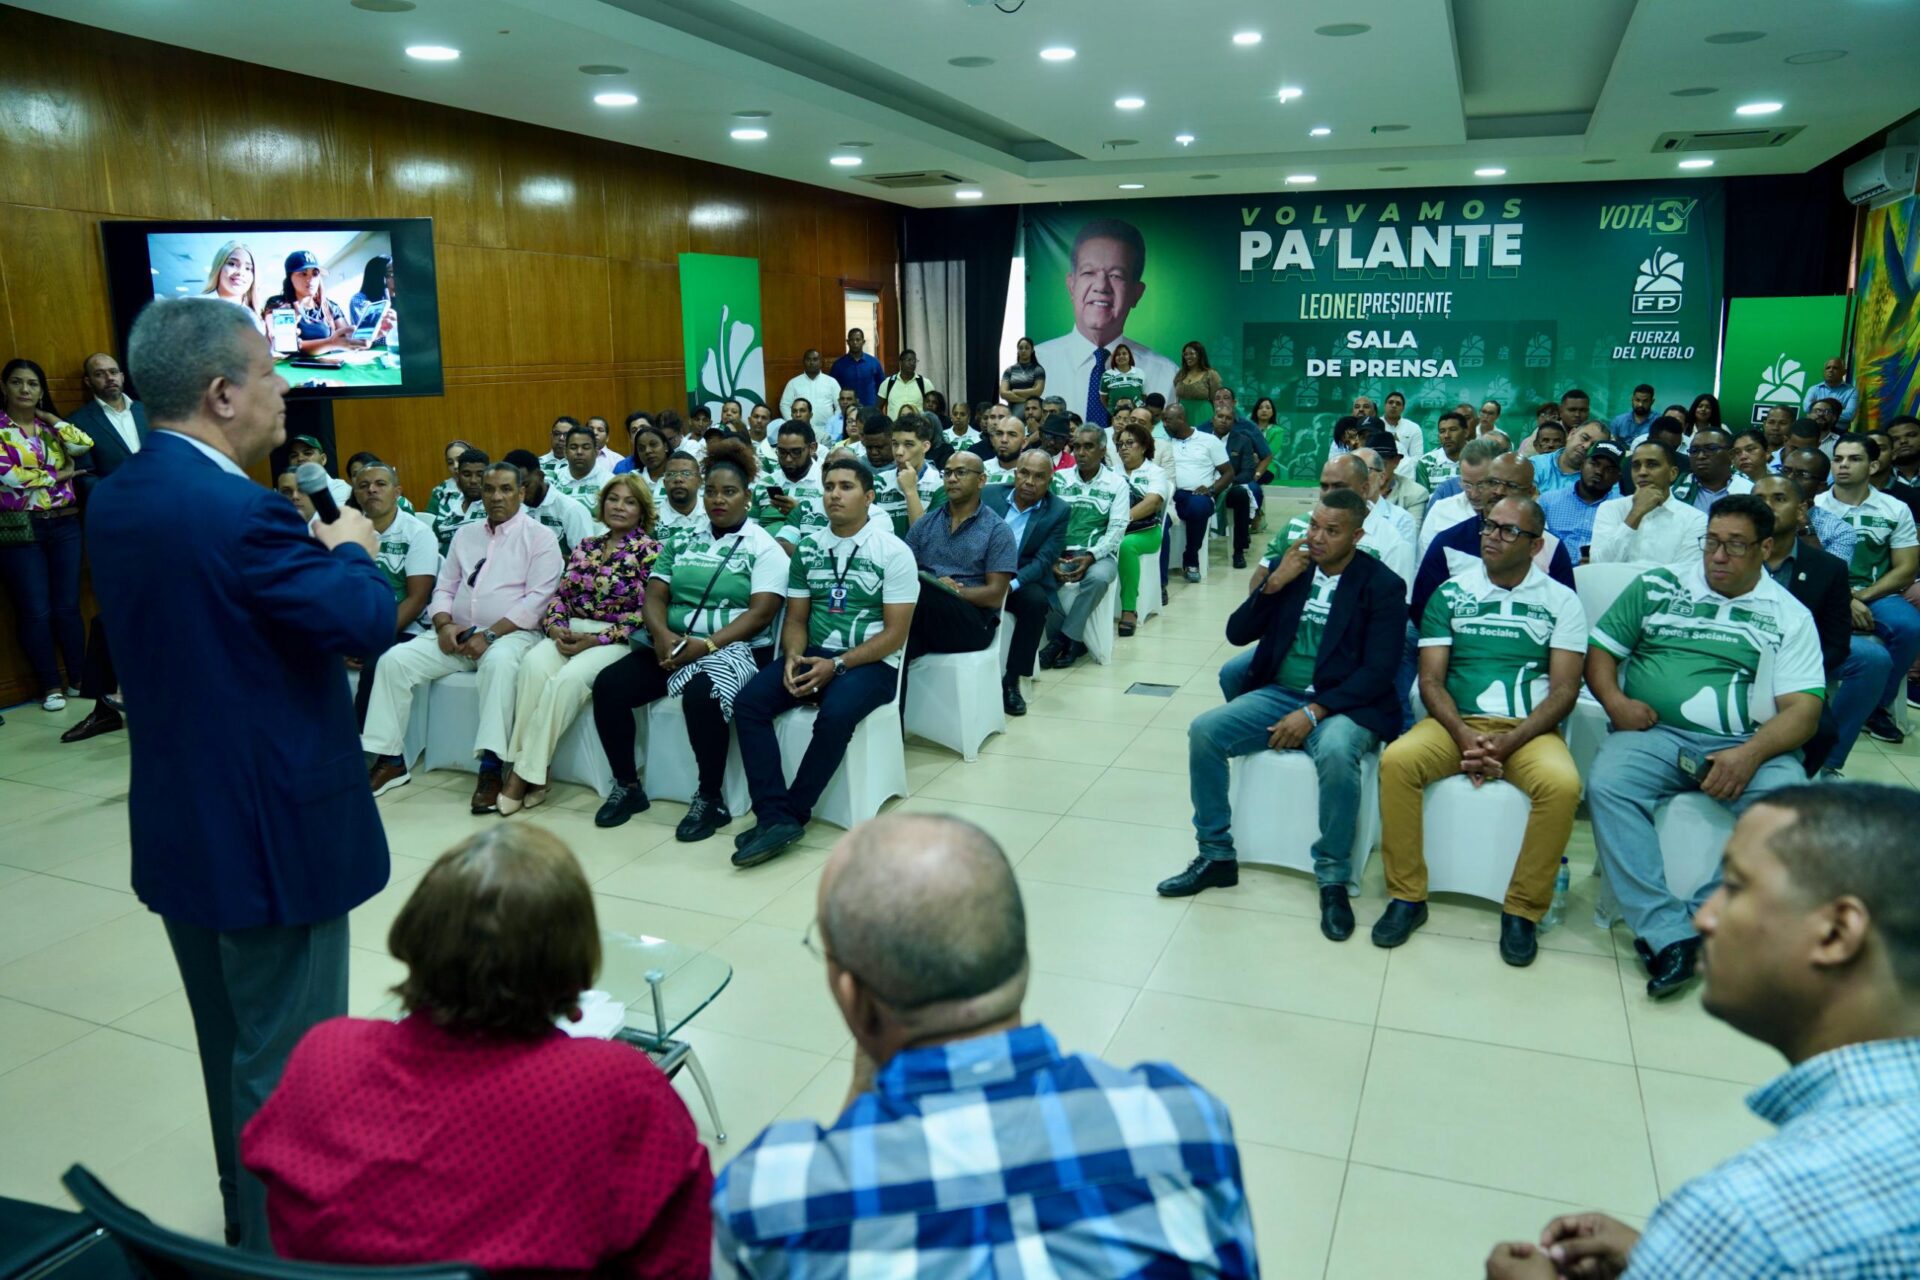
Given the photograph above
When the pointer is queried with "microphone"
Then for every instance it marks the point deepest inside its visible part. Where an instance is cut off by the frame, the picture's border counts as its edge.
(311, 479)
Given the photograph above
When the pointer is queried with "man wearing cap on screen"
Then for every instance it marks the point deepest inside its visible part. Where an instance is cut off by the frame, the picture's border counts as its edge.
(1104, 283)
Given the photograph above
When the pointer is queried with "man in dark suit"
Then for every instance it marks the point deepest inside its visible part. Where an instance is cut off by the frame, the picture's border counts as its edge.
(117, 424)
(1819, 581)
(253, 830)
(1328, 623)
(1039, 524)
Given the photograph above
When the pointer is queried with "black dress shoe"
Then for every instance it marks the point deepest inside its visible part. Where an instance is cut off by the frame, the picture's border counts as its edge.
(1202, 873)
(1645, 952)
(102, 719)
(1518, 946)
(1239, 559)
(769, 841)
(1397, 923)
(1051, 655)
(1071, 651)
(1336, 913)
(1673, 968)
(1010, 698)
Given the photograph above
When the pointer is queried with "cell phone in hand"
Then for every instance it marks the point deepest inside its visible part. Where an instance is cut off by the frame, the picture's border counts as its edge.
(465, 636)
(1693, 764)
(775, 491)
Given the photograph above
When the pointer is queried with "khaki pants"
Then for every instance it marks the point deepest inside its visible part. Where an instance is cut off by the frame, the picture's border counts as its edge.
(551, 690)
(1426, 754)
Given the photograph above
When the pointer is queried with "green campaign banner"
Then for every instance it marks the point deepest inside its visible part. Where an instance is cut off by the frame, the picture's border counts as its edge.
(1446, 295)
(1886, 319)
(720, 318)
(1776, 348)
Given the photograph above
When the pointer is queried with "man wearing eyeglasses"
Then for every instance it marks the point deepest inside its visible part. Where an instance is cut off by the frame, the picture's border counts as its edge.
(1445, 510)
(1711, 673)
(1713, 475)
(1098, 501)
(1653, 526)
(967, 556)
(1458, 549)
(1501, 651)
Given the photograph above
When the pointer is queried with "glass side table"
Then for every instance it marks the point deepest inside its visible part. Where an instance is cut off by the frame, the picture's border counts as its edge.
(663, 985)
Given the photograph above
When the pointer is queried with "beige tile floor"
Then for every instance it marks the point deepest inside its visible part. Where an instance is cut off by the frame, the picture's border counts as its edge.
(1397, 1112)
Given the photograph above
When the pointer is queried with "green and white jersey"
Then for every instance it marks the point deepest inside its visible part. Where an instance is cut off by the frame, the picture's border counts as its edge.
(586, 490)
(552, 466)
(726, 571)
(1434, 468)
(457, 519)
(1296, 669)
(849, 581)
(1501, 638)
(765, 453)
(408, 549)
(1883, 525)
(962, 441)
(1705, 662)
(809, 511)
(997, 474)
(1118, 386)
(1096, 510)
(442, 502)
(892, 502)
(671, 528)
(568, 520)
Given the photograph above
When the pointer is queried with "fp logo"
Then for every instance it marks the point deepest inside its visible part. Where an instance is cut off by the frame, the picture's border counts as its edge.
(1657, 287)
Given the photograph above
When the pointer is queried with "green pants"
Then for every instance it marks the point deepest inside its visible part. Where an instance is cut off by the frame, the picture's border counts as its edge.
(1132, 547)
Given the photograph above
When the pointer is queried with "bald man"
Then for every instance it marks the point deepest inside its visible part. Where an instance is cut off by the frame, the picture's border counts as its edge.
(920, 927)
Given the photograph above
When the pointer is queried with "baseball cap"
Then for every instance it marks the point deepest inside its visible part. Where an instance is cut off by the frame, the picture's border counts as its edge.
(1607, 449)
(1383, 443)
(308, 441)
(301, 260)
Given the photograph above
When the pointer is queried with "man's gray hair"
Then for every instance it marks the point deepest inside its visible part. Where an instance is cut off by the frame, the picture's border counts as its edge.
(519, 476)
(180, 345)
(1481, 450)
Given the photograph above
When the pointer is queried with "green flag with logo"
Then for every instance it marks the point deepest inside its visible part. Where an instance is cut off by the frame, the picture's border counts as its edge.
(720, 318)
(1775, 351)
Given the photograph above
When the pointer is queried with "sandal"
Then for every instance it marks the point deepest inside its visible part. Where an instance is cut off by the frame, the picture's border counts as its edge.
(1128, 621)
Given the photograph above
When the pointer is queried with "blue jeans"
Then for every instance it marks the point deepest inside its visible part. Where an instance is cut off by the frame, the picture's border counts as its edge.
(43, 580)
(1897, 624)
(846, 701)
(1240, 728)
(1194, 511)
(1863, 679)
(1406, 674)
(1631, 775)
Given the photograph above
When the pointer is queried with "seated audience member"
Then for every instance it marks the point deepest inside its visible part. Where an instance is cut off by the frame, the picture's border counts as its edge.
(602, 430)
(1446, 510)
(1713, 476)
(1149, 493)
(1561, 468)
(1711, 674)
(911, 488)
(758, 420)
(409, 556)
(1548, 439)
(1329, 626)
(1008, 436)
(1775, 426)
(1654, 526)
(1485, 420)
(1570, 511)
(486, 611)
(681, 515)
(649, 456)
(1098, 504)
(1802, 433)
(844, 422)
(966, 555)
(1542, 415)
(1882, 477)
(289, 488)
(467, 508)
(1379, 510)
(1038, 522)
(1407, 434)
(1809, 948)
(787, 498)
(1397, 485)
(1810, 468)
(1247, 455)
(588, 625)
(1856, 673)
(1904, 431)
(447, 497)
(571, 523)
(554, 460)
(1751, 456)
(1502, 647)
(851, 590)
(468, 1128)
(1627, 427)
(1885, 555)
(1383, 541)
(1201, 473)
(699, 423)
(1056, 440)
(585, 474)
(1671, 430)
(1826, 412)
(1458, 549)
(359, 462)
(1053, 1171)
(304, 449)
(1443, 461)
(710, 605)
(962, 430)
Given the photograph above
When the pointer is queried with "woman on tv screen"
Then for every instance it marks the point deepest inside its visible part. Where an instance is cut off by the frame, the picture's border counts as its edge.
(318, 322)
(233, 277)
(376, 286)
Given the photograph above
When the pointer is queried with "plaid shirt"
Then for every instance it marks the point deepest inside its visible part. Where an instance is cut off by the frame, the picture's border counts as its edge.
(1835, 1193)
(994, 1156)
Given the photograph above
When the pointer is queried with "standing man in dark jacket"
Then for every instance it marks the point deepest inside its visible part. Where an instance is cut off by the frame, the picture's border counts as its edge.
(1329, 625)
(1038, 522)
(253, 830)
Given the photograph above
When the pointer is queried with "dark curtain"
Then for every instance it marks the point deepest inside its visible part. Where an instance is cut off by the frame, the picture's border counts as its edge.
(984, 240)
(1790, 235)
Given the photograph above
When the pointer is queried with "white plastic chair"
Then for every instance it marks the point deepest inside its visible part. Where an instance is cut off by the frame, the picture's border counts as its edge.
(453, 719)
(1102, 624)
(1276, 810)
(954, 699)
(1693, 830)
(873, 770)
(1472, 836)
(669, 769)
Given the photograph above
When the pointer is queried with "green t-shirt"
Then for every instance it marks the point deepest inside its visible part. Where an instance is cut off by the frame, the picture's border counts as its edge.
(849, 581)
(995, 475)
(1296, 669)
(1501, 639)
(442, 502)
(571, 524)
(1118, 386)
(671, 528)
(1090, 509)
(1883, 524)
(727, 571)
(408, 549)
(1705, 662)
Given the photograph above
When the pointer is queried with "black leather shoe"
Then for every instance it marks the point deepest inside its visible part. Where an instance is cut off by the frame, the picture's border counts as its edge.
(1202, 873)
(1673, 968)
(1397, 923)
(1645, 952)
(1880, 726)
(1071, 651)
(769, 841)
(1336, 913)
(1051, 655)
(102, 719)
(622, 803)
(1239, 559)
(705, 815)
(1518, 946)
(1010, 698)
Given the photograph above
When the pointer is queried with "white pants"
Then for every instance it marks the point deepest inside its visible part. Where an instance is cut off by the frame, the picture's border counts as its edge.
(552, 690)
(405, 667)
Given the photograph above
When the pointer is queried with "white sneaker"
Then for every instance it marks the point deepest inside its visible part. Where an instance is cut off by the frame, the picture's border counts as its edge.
(55, 701)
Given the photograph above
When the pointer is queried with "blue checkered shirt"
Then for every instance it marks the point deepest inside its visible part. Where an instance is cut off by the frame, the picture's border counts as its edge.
(1835, 1193)
(1570, 517)
(1837, 537)
(994, 1156)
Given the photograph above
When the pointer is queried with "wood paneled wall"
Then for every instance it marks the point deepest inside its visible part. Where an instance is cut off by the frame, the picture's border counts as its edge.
(557, 254)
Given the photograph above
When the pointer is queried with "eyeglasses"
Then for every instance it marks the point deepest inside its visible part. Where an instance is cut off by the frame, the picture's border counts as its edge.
(1505, 532)
(954, 473)
(1700, 449)
(1497, 486)
(1736, 547)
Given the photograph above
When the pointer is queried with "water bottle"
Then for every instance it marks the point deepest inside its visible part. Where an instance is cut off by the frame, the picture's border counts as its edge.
(1558, 909)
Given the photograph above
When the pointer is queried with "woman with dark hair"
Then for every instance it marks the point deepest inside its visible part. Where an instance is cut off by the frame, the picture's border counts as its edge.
(1025, 379)
(1121, 380)
(710, 608)
(376, 286)
(1704, 412)
(650, 453)
(320, 323)
(40, 528)
(1195, 383)
(473, 1127)
(1152, 497)
(1266, 420)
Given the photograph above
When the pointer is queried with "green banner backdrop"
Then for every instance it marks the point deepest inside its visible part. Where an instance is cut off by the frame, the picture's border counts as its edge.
(1886, 320)
(1446, 295)
(1775, 350)
(720, 318)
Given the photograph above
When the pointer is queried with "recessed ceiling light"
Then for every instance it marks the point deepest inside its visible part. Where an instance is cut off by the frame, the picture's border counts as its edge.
(1696, 164)
(1129, 104)
(1288, 93)
(755, 114)
(602, 69)
(1698, 91)
(1184, 139)
(1735, 37)
(1490, 172)
(1059, 53)
(748, 135)
(1121, 142)
(616, 99)
(432, 52)
(1343, 29)
(1393, 168)
(970, 61)
(854, 146)
(1817, 55)
(1319, 131)
(1206, 177)
(1757, 108)
(968, 194)
(1301, 178)
(1246, 37)
(1599, 160)
(844, 162)
(1133, 186)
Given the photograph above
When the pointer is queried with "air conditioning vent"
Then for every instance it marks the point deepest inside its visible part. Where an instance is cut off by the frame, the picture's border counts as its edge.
(1727, 139)
(910, 181)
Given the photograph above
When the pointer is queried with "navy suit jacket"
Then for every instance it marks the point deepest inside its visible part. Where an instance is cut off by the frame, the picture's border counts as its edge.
(1045, 538)
(1820, 583)
(109, 452)
(1353, 672)
(228, 622)
(1465, 536)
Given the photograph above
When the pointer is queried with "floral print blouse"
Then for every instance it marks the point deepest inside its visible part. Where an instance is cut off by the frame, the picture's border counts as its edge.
(605, 581)
(28, 464)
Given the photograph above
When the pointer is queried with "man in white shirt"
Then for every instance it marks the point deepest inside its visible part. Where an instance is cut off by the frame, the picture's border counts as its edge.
(1197, 460)
(1476, 459)
(1407, 433)
(585, 474)
(1885, 554)
(114, 420)
(304, 449)
(810, 382)
(1653, 526)
(1104, 283)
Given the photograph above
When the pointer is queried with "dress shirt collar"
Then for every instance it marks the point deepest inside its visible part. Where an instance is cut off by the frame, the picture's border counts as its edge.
(509, 525)
(1784, 574)
(977, 1062)
(1872, 1073)
(112, 412)
(1080, 350)
(220, 459)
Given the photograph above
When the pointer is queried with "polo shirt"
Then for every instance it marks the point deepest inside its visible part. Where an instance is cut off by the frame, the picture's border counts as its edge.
(1196, 460)
(809, 502)
(1096, 510)
(890, 500)
(1689, 489)
(726, 572)
(408, 549)
(1502, 638)
(1435, 467)
(1882, 524)
(980, 546)
(586, 489)
(873, 567)
(1547, 475)
(669, 526)
(571, 523)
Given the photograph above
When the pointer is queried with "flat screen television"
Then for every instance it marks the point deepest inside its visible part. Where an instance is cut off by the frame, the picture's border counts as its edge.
(349, 305)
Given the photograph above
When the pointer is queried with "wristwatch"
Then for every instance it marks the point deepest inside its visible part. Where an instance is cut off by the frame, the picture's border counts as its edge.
(490, 636)
(839, 666)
